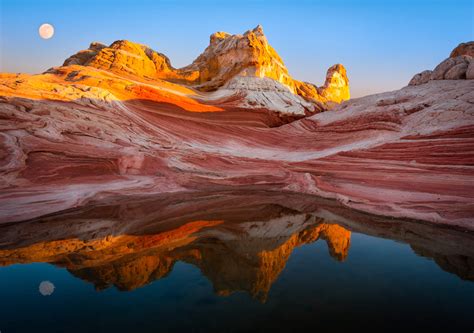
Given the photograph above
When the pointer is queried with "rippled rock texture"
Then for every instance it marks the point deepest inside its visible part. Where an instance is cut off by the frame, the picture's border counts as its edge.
(78, 135)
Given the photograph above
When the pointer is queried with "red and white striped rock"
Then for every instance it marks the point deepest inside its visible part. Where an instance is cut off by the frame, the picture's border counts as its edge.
(81, 135)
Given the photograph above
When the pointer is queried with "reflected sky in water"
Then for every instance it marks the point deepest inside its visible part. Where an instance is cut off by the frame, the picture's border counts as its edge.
(283, 267)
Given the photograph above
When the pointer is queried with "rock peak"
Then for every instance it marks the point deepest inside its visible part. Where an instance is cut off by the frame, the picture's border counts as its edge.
(258, 31)
(248, 56)
(218, 36)
(337, 76)
(96, 46)
(336, 86)
(463, 49)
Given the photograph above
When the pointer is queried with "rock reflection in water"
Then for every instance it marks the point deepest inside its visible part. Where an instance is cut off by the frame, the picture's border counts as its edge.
(239, 241)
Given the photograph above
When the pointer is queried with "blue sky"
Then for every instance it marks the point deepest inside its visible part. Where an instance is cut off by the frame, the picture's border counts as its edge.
(381, 43)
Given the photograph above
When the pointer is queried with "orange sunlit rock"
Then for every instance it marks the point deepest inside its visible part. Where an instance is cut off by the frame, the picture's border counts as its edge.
(227, 57)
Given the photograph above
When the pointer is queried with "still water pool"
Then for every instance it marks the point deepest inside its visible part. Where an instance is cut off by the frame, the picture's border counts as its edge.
(267, 268)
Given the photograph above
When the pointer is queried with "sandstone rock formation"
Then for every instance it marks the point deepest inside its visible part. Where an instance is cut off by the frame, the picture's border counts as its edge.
(334, 90)
(459, 66)
(463, 49)
(123, 57)
(229, 61)
(81, 134)
(244, 55)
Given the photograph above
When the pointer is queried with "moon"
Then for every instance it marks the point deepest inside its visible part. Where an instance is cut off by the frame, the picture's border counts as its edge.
(46, 288)
(46, 31)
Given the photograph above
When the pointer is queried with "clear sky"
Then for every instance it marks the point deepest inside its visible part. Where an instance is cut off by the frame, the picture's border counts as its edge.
(382, 43)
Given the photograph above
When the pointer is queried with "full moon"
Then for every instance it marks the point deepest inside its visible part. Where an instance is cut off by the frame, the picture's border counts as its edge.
(46, 288)
(46, 31)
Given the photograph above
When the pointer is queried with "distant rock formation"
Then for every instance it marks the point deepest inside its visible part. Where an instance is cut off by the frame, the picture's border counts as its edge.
(246, 59)
(124, 57)
(335, 88)
(459, 66)
(247, 55)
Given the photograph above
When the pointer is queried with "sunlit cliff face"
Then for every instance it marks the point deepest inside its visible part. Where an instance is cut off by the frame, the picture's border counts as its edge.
(226, 58)
(241, 71)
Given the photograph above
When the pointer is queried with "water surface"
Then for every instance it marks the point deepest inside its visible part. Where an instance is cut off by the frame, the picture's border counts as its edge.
(233, 262)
